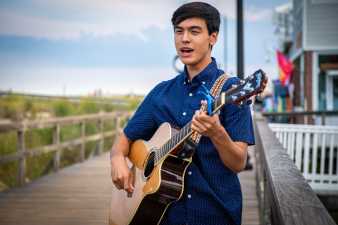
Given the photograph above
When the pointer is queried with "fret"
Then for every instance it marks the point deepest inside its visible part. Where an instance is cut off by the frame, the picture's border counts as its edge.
(181, 135)
(156, 157)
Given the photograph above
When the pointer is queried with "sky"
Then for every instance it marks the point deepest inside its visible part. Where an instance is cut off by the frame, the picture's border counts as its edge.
(74, 47)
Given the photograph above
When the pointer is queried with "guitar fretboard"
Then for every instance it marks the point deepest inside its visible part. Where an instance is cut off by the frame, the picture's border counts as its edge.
(179, 137)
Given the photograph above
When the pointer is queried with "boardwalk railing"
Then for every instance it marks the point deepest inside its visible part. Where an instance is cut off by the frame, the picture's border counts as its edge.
(303, 117)
(284, 195)
(56, 123)
(313, 148)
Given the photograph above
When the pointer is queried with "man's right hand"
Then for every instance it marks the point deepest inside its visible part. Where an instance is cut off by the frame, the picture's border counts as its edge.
(121, 175)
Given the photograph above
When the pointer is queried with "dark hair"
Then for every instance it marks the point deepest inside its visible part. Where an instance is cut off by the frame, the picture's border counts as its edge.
(198, 9)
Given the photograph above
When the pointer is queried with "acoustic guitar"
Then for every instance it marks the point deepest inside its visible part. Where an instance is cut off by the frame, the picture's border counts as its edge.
(159, 165)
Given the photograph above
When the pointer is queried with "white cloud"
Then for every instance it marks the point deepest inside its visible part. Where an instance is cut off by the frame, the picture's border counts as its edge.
(97, 18)
(254, 14)
(71, 19)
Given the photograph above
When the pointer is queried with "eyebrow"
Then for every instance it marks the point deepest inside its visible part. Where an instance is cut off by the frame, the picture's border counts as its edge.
(189, 28)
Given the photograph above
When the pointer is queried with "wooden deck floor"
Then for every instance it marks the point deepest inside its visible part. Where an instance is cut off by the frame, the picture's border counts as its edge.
(80, 195)
(250, 214)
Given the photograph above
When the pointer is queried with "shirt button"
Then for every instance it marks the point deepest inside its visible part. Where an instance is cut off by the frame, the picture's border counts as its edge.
(190, 94)
(203, 82)
(184, 82)
(189, 173)
(184, 113)
(189, 195)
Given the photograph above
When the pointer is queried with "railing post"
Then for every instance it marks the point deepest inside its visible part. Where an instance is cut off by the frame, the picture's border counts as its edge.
(100, 143)
(117, 124)
(323, 118)
(83, 141)
(21, 148)
(56, 141)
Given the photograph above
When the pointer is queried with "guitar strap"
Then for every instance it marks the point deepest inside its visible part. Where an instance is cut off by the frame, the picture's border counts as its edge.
(215, 92)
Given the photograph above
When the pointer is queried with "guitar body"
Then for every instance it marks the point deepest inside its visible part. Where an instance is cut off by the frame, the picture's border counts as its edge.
(151, 195)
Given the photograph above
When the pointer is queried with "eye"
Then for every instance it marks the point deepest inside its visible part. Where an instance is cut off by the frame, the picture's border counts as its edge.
(178, 31)
(195, 32)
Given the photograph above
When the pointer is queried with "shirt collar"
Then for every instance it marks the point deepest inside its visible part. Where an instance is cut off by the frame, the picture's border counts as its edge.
(206, 76)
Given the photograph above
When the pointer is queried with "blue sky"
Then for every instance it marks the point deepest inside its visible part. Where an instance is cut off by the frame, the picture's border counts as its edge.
(74, 47)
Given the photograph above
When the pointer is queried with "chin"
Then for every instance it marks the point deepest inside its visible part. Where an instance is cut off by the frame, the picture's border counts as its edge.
(188, 61)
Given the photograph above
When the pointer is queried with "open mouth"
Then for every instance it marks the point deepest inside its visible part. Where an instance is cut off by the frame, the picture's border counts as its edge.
(186, 50)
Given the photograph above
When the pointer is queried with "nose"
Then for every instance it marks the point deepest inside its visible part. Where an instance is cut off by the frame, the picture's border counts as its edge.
(186, 36)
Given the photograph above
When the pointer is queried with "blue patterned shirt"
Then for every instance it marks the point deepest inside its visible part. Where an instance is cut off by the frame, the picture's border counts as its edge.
(212, 193)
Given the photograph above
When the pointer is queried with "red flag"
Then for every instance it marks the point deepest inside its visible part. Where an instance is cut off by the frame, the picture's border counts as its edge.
(285, 68)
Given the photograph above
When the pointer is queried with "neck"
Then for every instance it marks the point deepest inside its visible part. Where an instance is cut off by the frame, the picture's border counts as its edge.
(195, 69)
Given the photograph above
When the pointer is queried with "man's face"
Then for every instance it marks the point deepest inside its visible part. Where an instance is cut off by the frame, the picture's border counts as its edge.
(192, 41)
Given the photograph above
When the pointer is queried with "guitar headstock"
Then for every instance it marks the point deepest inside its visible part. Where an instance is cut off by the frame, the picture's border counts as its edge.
(250, 86)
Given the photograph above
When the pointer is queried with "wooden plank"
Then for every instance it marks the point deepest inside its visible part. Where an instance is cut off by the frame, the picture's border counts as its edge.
(100, 143)
(83, 142)
(45, 123)
(10, 157)
(292, 146)
(21, 149)
(299, 145)
(315, 153)
(285, 136)
(331, 154)
(57, 153)
(306, 154)
(323, 155)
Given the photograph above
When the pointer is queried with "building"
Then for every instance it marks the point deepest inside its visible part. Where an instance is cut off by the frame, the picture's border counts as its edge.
(312, 45)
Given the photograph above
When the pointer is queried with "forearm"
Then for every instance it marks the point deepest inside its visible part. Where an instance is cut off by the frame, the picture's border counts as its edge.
(233, 154)
(121, 146)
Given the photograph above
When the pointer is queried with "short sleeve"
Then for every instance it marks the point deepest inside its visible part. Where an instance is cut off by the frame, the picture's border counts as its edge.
(143, 125)
(237, 121)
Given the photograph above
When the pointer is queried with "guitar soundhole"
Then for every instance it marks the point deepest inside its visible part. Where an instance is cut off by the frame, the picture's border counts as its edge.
(150, 164)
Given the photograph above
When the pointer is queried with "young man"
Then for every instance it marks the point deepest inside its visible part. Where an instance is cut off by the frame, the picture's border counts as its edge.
(212, 194)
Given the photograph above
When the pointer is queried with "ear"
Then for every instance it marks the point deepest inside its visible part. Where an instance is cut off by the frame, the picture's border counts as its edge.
(213, 38)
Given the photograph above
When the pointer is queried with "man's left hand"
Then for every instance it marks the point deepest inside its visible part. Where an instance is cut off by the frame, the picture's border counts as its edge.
(205, 124)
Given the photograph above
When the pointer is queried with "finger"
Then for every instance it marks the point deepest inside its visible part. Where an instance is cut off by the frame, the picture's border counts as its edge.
(204, 102)
(202, 118)
(197, 126)
(131, 181)
(118, 185)
(126, 184)
(209, 119)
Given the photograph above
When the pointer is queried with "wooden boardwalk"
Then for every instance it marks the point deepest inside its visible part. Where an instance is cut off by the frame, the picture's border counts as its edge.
(80, 194)
(250, 214)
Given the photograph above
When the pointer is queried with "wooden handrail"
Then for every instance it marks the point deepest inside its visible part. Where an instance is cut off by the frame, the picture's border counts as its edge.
(322, 113)
(284, 195)
(8, 125)
(301, 113)
(22, 127)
